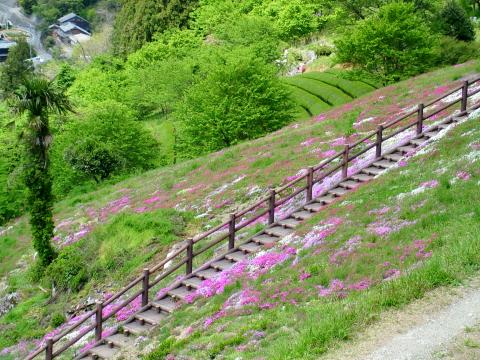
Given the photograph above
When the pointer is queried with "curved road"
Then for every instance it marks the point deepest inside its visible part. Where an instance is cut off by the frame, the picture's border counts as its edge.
(10, 10)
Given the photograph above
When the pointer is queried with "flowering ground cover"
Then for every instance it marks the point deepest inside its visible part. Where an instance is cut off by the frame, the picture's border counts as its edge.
(120, 223)
(384, 246)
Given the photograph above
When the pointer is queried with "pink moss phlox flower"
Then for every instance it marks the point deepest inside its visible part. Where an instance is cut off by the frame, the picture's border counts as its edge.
(320, 118)
(476, 146)
(152, 200)
(318, 234)
(382, 230)
(402, 163)
(463, 175)
(309, 142)
(129, 310)
(342, 141)
(328, 154)
(141, 210)
(391, 274)
(430, 184)
(441, 90)
(336, 287)
(386, 264)
(304, 276)
(381, 211)
(210, 320)
(360, 285)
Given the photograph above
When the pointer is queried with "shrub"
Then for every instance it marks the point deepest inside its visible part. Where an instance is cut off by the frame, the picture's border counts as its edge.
(238, 97)
(105, 140)
(455, 22)
(57, 320)
(392, 44)
(69, 270)
(451, 51)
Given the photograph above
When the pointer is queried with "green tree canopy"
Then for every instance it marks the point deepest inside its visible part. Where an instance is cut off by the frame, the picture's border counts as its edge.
(238, 97)
(455, 22)
(392, 44)
(17, 66)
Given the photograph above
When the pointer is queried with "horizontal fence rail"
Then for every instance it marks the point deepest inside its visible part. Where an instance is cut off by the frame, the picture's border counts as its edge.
(265, 209)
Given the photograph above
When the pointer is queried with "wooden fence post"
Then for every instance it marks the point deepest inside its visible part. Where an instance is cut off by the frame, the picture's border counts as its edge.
(146, 286)
(99, 321)
(231, 231)
(464, 97)
(49, 349)
(271, 207)
(189, 257)
(310, 184)
(379, 141)
(420, 119)
(346, 154)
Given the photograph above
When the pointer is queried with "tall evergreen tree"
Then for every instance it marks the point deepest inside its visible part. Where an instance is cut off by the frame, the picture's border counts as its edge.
(139, 20)
(38, 98)
(17, 66)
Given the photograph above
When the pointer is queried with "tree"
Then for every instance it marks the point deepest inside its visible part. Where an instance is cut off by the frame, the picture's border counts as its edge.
(17, 66)
(38, 98)
(455, 22)
(238, 97)
(139, 20)
(392, 44)
(102, 140)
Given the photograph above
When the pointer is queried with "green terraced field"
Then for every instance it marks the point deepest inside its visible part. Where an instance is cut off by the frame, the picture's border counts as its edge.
(316, 92)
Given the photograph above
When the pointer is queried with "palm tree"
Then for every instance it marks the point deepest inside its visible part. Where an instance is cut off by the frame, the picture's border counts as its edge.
(38, 98)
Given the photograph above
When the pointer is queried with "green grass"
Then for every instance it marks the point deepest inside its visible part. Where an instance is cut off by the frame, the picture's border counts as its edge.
(447, 218)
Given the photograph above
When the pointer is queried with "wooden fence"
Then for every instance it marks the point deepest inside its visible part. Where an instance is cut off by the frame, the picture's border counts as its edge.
(340, 162)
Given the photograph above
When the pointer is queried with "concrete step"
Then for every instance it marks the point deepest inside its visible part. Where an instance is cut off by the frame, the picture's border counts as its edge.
(406, 149)
(326, 199)
(396, 156)
(180, 292)
(386, 164)
(237, 256)
(265, 239)
(445, 126)
(167, 304)
(120, 340)
(290, 223)
(314, 207)
(350, 184)
(339, 191)
(193, 282)
(208, 273)
(302, 215)
(223, 264)
(250, 247)
(278, 231)
(362, 177)
(104, 351)
(419, 141)
(151, 316)
(137, 328)
(372, 170)
(432, 133)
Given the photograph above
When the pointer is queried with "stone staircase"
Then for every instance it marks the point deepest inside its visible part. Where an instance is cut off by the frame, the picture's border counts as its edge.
(157, 310)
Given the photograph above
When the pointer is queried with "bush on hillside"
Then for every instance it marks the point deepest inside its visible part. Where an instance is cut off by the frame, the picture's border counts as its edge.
(103, 141)
(455, 22)
(392, 44)
(451, 51)
(238, 97)
(69, 271)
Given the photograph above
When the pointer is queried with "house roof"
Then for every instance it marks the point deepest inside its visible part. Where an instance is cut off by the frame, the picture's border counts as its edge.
(7, 44)
(69, 26)
(69, 17)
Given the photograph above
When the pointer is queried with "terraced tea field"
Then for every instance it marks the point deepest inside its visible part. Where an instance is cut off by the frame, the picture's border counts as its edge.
(316, 92)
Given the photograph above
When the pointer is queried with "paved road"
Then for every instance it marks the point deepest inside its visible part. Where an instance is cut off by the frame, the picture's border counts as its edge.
(11, 10)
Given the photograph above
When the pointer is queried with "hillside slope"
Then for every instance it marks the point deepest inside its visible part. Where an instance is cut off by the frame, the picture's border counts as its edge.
(122, 227)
